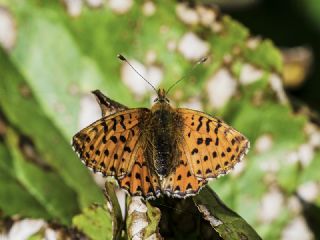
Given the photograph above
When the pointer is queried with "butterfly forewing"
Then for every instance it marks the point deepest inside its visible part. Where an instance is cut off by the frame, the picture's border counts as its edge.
(109, 144)
(107, 105)
(214, 146)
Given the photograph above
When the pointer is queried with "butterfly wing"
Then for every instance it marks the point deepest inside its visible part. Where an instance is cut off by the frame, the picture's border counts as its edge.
(109, 145)
(107, 105)
(211, 146)
(181, 182)
(141, 181)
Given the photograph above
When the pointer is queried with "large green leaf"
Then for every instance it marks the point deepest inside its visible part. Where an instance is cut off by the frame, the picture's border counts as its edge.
(13, 193)
(25, 113)
(46, 187)
(227, 223)
(95, 222)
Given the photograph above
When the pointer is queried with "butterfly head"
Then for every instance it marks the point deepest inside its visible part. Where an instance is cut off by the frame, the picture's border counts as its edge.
(161, 96)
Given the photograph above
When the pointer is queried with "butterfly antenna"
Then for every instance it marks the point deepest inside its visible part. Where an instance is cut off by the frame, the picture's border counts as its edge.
(202, 60)
(122, 58)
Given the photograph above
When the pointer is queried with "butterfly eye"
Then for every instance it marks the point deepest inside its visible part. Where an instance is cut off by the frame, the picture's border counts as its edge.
(156, 100)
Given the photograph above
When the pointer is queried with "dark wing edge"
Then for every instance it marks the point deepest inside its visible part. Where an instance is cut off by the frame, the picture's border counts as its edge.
(107, 105)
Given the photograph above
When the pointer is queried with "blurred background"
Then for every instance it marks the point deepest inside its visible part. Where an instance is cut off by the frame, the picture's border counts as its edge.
(261, 77)
(294, 27)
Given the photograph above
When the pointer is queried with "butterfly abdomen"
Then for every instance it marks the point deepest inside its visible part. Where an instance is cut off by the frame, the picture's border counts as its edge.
(163, 155)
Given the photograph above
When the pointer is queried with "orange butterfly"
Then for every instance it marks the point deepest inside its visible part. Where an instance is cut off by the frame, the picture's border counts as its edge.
(159, 150)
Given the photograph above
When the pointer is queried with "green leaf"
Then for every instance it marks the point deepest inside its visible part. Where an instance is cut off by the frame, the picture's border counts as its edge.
(116, 213)
(45, 186)
(154, 216)
(95, 222)
(227, 223)
(266, 56)
(25, 113)
(311, 173)
(14, 197)
(41, 60)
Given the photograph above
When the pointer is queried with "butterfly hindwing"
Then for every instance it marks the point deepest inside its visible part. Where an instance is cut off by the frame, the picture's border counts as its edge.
(141, 181)
(109, 144)
(181, 182)
(214, 146)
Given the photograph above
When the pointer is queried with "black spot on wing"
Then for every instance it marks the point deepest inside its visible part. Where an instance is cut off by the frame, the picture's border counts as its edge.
(105, 126)
(123, 139)
(127, 149)
(114, 139)
(132, 132)
(106, 152)
(199, 141)
(114, 127)
(122, 122)
(214, 154)
(194, 151)
(208, 141)
(217, 128)
(208, 125)
(138, 176)
(200, 123)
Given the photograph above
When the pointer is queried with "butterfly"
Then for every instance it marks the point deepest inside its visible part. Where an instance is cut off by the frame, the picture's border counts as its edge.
(162, 150)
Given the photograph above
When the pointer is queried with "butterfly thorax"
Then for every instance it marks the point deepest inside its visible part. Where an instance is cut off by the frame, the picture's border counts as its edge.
(165, 126)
